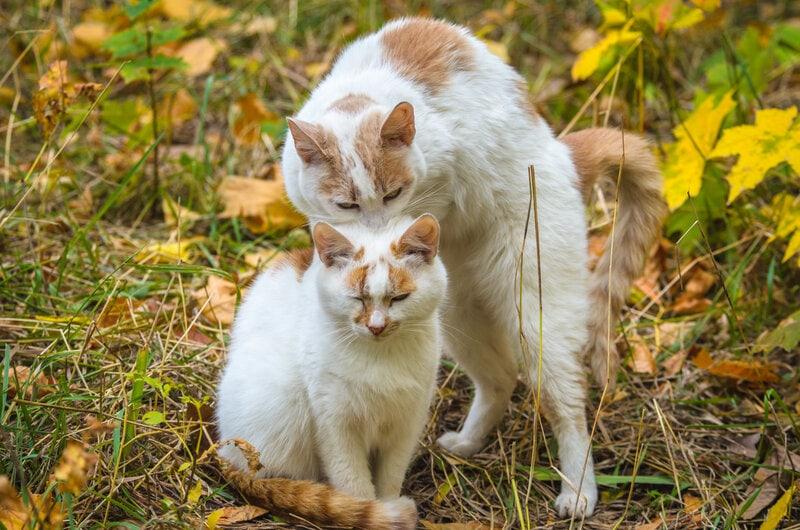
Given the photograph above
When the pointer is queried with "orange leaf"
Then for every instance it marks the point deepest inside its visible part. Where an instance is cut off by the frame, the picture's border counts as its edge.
(750, 371)
(252, 113)
(217, 300)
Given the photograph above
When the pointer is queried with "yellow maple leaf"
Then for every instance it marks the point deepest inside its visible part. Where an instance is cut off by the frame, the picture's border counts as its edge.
(779, 509)
(262, 204)
(785, 211)
(686, 158)
(774, 138)
(589, 60)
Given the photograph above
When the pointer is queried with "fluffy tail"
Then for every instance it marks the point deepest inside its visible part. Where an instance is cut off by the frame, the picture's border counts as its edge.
(598, 154)
(315, 501)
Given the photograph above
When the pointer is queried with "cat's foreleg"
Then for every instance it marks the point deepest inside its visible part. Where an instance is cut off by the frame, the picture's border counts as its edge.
(345, 459)
(482, 350)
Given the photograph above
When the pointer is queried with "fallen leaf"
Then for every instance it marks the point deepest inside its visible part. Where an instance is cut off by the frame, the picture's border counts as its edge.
(670, 333)
(175, 214)
(96, 427)
(239, 514)
(217, 300)
(195, 492)
(199, 55)
(182, 107)
(56, 93)
(642, 359)
(91, 34)
(750, 371)
(779, 510)
(116, 310)
(167, 252)
(785, 211)
(203, 12)
(673, 364)
(34, 384)
(785, 336)
(74, 468)
(252, 113)
(655, 525)
(261, 203)
(773, 139)
(692, 504)
(694, 139)
(261, 24)
(689, 304)
(260, 257)
(15, 515)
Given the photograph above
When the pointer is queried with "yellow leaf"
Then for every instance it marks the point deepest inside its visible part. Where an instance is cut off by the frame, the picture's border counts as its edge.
(443, 489)
(15, 515)
(199, 54)
(181, 107)
(778, 510)
(202, 11)
(261, 203)
(195, 492)
(774, 138)
(72, 471)
(694, 140)
(589, 60)
(252, 112)
(217, 300)
(167, 252)
(785, 211)
(91, 33)
(213, 519)
(707, 5)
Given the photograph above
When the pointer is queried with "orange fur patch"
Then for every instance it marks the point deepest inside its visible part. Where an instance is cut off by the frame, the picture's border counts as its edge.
(401, 280)
(427, 51)
(384, 164)
(352, 103)
(298, 259)
(359, 255)
(357, 278)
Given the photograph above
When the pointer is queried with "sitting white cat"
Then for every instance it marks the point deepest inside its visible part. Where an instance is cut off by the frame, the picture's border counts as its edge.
(332, 367)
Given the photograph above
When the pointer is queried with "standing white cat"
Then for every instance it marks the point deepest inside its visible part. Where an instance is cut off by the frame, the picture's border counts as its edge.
(422, 117)
(331, 369)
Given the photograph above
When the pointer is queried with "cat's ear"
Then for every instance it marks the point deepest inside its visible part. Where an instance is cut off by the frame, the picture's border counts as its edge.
(331, 244)
(307, 137)
(420, 239)
(398, 129)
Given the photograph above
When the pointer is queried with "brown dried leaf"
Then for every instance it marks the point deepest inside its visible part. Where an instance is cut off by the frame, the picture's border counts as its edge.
(199, 54)
(689, 304)
(673, 364)
(750, 371)
(642, 359)
(33, 385)
(82, 206)
(116, 310)
(203, 12)
(252, 113)
(74, 468)
(96, 427)
(182, 107)
(261, 203)
(240, 514)
(218, 300)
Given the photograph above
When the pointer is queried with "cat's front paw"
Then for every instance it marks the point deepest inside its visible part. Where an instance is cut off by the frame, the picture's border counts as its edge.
(458, 444)
(567, 503)
(402, 512)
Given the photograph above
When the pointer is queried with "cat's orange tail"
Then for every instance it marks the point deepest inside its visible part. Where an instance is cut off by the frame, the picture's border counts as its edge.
(321, 503)
(598, 154)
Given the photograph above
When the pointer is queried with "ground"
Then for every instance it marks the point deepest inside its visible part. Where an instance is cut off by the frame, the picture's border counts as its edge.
(125, 247)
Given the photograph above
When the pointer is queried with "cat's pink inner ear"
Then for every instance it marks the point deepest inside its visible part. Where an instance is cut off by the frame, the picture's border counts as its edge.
(398, 129)
(306, 138)
(331, 245)
(420, 239)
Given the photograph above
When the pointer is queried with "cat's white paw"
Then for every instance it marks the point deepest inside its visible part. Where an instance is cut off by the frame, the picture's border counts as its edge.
(403, 512)
(567, 503)
(457, 444)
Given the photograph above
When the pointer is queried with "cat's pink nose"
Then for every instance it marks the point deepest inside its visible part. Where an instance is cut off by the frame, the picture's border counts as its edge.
(377, 330)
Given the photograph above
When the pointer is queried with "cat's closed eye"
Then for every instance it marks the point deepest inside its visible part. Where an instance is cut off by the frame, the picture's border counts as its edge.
(400, 298)
(348, 205)
(392, 195)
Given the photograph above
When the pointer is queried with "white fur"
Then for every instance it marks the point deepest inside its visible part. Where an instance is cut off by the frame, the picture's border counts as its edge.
(470, 156)
(315, 392)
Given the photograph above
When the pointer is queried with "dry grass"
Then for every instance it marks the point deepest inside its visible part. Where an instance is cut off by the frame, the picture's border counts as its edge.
(121, 339)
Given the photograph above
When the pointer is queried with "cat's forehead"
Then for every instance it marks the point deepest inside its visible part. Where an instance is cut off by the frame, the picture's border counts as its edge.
(379, 277)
